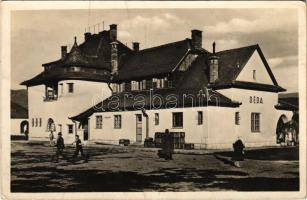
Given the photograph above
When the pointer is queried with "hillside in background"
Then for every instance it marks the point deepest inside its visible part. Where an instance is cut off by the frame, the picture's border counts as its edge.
(19, 103)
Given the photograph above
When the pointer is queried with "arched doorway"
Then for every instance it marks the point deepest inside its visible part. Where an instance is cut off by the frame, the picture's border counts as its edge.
(280, 129)
(24, 128)
(51, 128)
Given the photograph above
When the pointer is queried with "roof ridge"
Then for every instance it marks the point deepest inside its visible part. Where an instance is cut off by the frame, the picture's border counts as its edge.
(244, 47)
(163, 45)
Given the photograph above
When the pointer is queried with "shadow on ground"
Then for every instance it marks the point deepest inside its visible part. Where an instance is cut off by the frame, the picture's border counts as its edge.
(32, 171)
(286, 153)
(109, 181)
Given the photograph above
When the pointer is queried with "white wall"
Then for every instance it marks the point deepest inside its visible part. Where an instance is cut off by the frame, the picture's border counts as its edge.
(255, 63)
(268, 115)
(193, 133)
(218, 130)
(85, 95)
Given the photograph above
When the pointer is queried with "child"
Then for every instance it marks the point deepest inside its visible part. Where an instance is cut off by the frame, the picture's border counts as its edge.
(78, 148)
(60, 146)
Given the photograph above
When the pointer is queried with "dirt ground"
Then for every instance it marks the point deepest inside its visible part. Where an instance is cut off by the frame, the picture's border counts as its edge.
(114, 168)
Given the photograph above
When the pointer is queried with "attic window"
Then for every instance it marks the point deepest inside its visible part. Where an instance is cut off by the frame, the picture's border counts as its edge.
(254, 75)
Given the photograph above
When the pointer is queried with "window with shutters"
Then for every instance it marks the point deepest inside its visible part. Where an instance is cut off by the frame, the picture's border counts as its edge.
(237, 118)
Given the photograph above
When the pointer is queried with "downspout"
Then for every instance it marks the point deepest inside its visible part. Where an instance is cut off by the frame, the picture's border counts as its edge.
(147, 122)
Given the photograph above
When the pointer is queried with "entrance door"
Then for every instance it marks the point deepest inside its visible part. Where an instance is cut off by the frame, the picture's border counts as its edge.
(85, 131)
(138, 128)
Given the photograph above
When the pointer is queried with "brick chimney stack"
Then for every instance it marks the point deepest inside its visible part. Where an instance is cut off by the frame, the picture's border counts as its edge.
(63, 51)
(136, 46)
(113, 32)
(87, 36)
(114, 50)
(196, 38)
(213, 66)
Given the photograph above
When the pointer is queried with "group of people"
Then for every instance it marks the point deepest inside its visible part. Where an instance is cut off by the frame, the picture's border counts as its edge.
(60, 146)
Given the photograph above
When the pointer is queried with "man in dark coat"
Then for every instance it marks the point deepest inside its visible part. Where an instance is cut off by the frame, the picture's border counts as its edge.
(168, 145)
(60, 146)
(79, 148)
(238, 154)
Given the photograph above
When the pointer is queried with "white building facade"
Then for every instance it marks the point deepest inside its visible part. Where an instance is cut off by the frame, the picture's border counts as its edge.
(210, 98)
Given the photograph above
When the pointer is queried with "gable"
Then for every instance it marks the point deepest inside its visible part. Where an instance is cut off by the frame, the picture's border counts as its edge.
(256, 64)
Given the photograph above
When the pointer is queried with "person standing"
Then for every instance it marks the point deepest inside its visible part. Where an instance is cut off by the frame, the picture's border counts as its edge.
(60, 146)
(238, 154)
(168, 145)
(79, 148)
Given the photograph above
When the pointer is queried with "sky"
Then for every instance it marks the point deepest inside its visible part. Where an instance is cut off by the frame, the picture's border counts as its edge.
(36, 36)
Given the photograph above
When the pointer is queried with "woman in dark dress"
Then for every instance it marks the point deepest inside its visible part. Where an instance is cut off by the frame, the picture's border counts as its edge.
(238, 152)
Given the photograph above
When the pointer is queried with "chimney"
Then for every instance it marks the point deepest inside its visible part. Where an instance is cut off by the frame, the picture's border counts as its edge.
(213, 48)
(213, 66)
(87, 36)
(113, 32)
(196, 38)
(63, 51)
(114, 58)
(136, 46)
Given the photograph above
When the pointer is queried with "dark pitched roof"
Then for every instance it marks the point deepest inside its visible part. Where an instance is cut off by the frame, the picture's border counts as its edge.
(286, 105)
(158, 99)
(247, 85)
(19, 104)
(232, 61)
(196, 75)
(95, 52)
(288, 101)
(153, 61)
(53, 76)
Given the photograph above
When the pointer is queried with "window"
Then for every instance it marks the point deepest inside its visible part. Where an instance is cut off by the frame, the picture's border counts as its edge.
(70, 87)
(70, 128)
(99, 121)
(237, 118)
(143, 85)
(134, 85)
(156, 118)
(36, 122)
(255, 122)
(177, 120)
(32, 122)
(254, 74)
(40, 122)
(160, 82)
(122, 87)
(117, 121)
(199, 117)
(51, 125)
